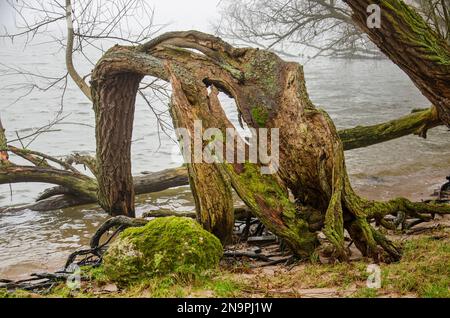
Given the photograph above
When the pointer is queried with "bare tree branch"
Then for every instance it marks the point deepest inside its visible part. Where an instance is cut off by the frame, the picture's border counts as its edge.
(311, 27)
(69, 54)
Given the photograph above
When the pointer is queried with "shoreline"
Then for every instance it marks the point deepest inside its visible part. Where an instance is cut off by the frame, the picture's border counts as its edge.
(405, 186)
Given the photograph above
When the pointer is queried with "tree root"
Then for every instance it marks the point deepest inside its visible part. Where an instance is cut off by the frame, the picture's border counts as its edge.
(372, 242)
(119, 221)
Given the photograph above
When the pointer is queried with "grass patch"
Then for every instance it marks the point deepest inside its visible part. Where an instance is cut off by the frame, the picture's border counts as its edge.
(424, 269)
(15, 294)
(366, 293)
(170, 286)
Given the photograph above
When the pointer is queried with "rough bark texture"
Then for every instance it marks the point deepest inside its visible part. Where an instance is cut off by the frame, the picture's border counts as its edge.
(114, 101)
(212, 194)
(53, 199)
(411, 44)
(270, 93)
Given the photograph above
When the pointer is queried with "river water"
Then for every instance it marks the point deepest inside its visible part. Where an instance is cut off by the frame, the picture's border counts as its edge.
(353, 92)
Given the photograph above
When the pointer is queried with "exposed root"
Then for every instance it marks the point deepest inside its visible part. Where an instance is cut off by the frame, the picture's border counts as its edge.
(120, 221)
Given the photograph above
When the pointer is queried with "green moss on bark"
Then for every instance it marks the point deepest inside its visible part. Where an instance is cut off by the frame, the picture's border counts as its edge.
(423, 35)
(260, 116)
(270, 202)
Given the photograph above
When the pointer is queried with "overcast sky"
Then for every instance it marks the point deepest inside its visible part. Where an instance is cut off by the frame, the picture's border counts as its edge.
(185, 14)
(181, 14)
(6, 18)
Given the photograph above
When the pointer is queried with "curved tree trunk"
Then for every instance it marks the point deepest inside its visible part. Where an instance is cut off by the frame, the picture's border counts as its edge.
(270, 93)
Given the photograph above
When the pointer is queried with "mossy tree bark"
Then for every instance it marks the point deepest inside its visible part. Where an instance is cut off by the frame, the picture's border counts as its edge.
(269, 93)
(411, 44)
(417, 123)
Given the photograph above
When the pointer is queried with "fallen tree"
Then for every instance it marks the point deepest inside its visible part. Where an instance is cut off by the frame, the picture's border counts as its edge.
(74, 188)
(269, 93)
(62, 197)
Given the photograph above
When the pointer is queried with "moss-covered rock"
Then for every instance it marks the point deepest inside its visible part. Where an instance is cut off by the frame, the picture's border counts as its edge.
(171, 245)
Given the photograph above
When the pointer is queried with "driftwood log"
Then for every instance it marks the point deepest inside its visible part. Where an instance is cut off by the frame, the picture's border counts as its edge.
(64, 197)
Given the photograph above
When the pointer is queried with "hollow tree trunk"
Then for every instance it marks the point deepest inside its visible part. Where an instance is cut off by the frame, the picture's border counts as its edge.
(265, 195)
(411, 44)
(270, 93)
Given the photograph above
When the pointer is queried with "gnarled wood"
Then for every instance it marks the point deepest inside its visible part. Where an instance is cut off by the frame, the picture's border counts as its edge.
(270, 93)
(419, 122)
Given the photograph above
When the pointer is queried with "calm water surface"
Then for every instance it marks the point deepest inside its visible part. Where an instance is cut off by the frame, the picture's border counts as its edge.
(353, 92)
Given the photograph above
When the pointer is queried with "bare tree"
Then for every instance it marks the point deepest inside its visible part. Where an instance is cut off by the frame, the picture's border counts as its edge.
(318, 28)
(437, 15)
(314, 27)
(81, 29)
